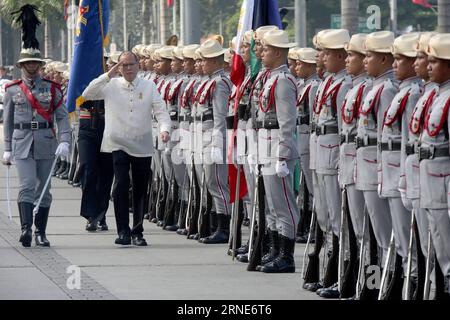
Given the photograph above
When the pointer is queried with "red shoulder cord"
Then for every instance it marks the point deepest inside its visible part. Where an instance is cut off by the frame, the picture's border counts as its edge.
(304, 95)
(399, 112)
(244, 87)
(324, 92)
(433, 133)
(175, 91)
(355, 106)
(166, 92)
(424, 110)
(271, 98)
(208, 93)
(187, 94)
(199, 92)
(375, 101)
(161, 85)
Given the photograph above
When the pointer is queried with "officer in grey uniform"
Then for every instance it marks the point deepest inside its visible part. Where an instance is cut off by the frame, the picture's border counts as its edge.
(328, 128)
(276, 124)
(378, 64)
(211, 112)
(185, 118)
(311, 279)
(434, 154)
(362, 83)
(394, 130)
(176, 153)
(409, 184)
(32, 105)
(309, 81)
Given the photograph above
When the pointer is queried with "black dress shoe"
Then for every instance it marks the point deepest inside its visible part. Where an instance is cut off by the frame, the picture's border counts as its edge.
(242, 257)
(91, 225)
(123, 240)
(154, 220)
(171, 228)
(313, 287)
(102, 226)
(139, 241)
(146, 216)
(76, 184)
(330, 293)
(193, 236)
(302, 239)
(246, 222)
(182, 232)
(160, 223)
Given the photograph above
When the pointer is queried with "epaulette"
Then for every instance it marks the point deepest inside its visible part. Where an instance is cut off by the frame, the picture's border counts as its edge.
(13, 83)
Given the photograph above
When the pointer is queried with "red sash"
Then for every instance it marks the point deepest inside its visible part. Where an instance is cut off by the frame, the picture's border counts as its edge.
(47, 115)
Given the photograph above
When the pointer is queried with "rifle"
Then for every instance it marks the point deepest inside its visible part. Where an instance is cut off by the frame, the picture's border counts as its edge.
(171, 199)
(192, 216)
(236, 218)
(256, 254)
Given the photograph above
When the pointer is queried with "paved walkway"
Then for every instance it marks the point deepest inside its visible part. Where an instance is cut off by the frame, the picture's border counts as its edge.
(171, 267)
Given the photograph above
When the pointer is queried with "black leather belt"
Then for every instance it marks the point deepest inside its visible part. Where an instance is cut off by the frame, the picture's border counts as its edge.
(365, 142)
(303, 120)
(313, 126)
(33, 125)
(267, 124)
(230, 122)
(94, 110)
(185, 117)
(322, 130)
(432, 152)
(390, 146)
(205, 117)
(348, 138)
(410, 149)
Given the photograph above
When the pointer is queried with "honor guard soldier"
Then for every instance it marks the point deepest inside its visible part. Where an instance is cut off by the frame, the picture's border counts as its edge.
(162, 159)
(276, 121)
(185, 118)
(32, 105)
(312, 274)
(434, 156)
(306, 71)
(244, 127)
(211, 112)
(173, 148)
(196, 149)
(336, 87)
(378, 64)
(252, 145)
(361, 84)
(393, 131)
(409, 184)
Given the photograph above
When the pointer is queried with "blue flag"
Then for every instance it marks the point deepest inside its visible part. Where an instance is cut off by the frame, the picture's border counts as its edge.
(266, 13)
(91, 35)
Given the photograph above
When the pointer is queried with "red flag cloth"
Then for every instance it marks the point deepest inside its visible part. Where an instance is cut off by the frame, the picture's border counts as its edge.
(232, 177)
(66, 8)
(169, 3)
(423, 3)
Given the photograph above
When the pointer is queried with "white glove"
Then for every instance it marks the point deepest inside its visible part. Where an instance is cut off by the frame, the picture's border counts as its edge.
(379, 189)
(7, 157)
(252, 163)
(62, 150)
(281, 169)
(407, 203)
(216, 155)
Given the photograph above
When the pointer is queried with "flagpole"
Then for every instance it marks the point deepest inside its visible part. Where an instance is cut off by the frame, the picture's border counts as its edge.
(124, 14)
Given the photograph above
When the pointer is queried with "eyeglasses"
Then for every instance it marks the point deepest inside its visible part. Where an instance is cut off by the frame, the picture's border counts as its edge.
(128, 65)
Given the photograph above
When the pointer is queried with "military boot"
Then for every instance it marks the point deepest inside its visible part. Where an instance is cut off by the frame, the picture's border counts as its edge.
(274, 249)
(284, 263)
(26, 222)
(65, 174)
(40, 222)
(223, 230)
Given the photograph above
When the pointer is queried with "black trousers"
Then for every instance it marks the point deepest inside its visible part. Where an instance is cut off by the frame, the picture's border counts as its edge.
(140, 175)
(96, 170)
